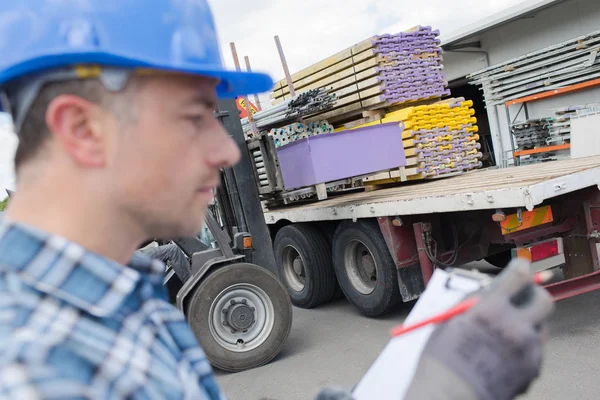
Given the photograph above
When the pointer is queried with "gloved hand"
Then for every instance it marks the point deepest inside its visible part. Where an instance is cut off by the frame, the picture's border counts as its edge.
(493, 351)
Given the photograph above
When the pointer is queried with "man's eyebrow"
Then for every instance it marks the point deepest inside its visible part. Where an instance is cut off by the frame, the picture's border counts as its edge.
(205, 101)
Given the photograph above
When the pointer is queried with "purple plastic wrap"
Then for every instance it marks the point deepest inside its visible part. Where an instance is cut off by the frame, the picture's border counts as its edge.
(341, 155)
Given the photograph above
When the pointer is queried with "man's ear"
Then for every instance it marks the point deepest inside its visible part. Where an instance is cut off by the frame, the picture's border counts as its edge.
(70, 119)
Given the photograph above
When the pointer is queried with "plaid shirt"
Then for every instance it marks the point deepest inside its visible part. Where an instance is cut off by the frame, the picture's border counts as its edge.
(75, 325)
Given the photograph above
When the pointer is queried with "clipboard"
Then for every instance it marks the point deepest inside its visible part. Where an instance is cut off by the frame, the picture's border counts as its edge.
(390, 376)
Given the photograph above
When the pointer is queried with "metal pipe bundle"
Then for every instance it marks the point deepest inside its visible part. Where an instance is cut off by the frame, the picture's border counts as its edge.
(531, 134)
(297, 131)
(304, 104)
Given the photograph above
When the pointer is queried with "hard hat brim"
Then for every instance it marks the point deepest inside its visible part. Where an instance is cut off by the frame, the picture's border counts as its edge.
(236, 83)
(231, 83)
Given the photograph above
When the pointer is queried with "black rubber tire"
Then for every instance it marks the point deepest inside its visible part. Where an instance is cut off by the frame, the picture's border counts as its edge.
(386, 294)
(328, 229)
(198, 311)
(312, 247)
(500, 260)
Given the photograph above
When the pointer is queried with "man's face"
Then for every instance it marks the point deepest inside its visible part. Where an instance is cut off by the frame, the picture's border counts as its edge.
(166, 162)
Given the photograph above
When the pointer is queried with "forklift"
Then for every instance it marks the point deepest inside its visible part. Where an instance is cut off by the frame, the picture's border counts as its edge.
(232, 298)
(238, 309)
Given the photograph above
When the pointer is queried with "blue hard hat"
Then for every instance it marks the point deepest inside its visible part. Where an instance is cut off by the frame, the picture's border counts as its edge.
(172, 35)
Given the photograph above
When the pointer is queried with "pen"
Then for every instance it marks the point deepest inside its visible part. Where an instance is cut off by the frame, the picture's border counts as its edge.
(539, 279)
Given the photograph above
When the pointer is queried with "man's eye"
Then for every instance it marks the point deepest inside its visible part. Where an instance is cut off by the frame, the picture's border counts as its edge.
(196, 119)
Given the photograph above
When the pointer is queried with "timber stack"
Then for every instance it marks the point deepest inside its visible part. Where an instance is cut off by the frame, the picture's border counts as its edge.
(386, 119)
(438, 140)
(378, 73)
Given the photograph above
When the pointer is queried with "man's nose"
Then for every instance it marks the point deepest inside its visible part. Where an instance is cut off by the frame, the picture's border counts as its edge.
(225, 152)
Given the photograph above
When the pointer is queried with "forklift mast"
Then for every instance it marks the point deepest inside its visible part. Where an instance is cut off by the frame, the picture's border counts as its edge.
(238, 197)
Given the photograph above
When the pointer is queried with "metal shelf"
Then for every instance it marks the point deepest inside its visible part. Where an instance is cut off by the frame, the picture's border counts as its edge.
(524, 100)
(556, 92)
(542, 150)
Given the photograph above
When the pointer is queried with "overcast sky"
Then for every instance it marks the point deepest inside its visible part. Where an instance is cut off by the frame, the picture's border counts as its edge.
(311, 30)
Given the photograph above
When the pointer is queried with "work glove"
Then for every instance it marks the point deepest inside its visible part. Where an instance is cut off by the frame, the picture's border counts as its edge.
(492, 352)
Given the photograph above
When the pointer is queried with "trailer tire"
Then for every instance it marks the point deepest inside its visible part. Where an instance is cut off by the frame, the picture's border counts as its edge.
(257, 294)
(304, 263)
(328, 229)
(365, 268)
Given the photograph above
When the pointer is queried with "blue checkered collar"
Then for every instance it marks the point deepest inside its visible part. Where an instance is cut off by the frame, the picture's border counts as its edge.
(65, 270)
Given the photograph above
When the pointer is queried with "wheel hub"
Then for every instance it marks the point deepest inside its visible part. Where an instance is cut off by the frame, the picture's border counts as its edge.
(293, 268)
(368, 266)
(298, 266)
(240, 316)
(361, 267)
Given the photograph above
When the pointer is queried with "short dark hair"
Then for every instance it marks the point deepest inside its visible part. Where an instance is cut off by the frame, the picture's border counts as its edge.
(34, 132)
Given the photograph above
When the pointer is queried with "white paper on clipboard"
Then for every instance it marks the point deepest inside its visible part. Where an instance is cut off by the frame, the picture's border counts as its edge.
(392, 372)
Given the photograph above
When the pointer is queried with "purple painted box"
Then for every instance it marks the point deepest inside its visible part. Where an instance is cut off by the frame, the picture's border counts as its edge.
(341, 155)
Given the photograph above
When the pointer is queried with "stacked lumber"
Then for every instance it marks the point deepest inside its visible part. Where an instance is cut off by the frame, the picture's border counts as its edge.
(439, 139)
(297, 131)
(379, 72)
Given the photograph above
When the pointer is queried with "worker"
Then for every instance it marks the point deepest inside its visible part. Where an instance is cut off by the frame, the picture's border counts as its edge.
(113, 102)
(171, 255)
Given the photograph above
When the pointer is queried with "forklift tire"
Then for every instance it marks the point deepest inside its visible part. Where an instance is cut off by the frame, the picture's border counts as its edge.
(304, 262)
(365, 268)
(241, 315)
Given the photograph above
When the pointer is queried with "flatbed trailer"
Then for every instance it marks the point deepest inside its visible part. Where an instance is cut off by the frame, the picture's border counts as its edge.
(380, 247)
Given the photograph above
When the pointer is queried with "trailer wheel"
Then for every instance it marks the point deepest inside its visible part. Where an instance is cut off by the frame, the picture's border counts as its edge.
(328, 229)
(365, 268)
(241, 315)
(305, 266)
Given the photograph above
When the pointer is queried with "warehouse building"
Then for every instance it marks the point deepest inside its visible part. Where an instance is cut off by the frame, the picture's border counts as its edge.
(535, 26)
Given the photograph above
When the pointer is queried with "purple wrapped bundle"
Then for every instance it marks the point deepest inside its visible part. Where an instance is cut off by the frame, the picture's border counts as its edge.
(341, 155)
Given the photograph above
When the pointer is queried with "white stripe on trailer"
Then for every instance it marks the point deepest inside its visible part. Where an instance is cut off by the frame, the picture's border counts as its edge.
(525, 186)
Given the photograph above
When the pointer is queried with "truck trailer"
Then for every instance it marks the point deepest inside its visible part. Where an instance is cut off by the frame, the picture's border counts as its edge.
(379, 248)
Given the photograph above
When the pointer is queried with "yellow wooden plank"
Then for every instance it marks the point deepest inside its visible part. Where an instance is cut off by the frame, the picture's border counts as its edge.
(354, 65)
(333, 59)
(335, 83)
(346, 68)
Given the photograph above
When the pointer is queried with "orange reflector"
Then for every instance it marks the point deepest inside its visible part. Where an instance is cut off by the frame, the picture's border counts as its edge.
(530, 219)
(524, 252)
(248, 242)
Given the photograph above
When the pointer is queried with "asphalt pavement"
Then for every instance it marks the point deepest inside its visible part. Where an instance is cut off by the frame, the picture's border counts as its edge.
(334, 345)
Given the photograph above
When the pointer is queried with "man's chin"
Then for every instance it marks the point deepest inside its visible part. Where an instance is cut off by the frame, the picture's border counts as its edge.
(182, 229)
